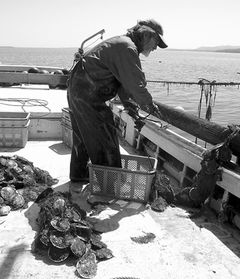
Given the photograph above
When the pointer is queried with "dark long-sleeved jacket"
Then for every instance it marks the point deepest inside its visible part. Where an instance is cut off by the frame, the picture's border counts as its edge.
(115, 68)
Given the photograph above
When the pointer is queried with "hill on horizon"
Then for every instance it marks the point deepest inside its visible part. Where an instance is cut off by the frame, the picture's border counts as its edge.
(225, 48)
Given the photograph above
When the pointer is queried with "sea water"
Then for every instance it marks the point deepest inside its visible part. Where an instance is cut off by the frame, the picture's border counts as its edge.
(162, 65)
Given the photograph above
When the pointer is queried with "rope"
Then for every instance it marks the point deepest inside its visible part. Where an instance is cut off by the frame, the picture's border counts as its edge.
(201, 81)
(25, 102)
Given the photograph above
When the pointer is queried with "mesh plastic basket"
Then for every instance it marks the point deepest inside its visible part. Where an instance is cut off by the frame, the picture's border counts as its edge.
(67, 135)
(14, 136)
(66, 117)
(131, 182)
(14, 119)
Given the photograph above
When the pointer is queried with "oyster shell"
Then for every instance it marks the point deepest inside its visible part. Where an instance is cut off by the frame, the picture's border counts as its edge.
(17, 201)
(72, 214)
(4, 210)
(69, 238)
(1, 201)
(58, 255)
(44, 194)
(7, 193)
(103, 254)
(78, 247)
(87, 265)
(44, 236)
(58, 239)
(82, 231)
(59, 204)
(60, 224)
(97, 244)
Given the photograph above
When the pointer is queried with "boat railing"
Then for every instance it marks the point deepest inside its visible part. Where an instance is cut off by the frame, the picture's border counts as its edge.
(11, 75)
(180, 157)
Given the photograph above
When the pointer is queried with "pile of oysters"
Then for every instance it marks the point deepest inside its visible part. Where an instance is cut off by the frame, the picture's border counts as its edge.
(64, 233)
(20, 182)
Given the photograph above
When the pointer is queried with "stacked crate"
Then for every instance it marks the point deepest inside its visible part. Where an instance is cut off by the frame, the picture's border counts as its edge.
(14, 129)
(66, 127)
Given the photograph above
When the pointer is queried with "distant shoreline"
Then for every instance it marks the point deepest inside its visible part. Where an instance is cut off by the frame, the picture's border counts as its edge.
(229, 49)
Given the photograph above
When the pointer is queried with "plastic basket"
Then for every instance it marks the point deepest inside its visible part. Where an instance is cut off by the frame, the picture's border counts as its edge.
(66, 117)
(67, 135)
(14, 119)
(14, 136)
(131, 182)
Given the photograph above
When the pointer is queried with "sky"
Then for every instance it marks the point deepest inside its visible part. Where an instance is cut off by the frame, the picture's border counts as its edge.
(187, 24)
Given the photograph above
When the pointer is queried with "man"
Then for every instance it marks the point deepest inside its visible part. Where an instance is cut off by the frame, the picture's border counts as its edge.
(111, 68)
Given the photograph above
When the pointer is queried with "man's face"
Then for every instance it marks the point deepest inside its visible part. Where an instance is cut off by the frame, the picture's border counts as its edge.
(149, 46)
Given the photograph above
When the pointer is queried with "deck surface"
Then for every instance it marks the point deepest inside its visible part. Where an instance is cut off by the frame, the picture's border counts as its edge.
(183, 247)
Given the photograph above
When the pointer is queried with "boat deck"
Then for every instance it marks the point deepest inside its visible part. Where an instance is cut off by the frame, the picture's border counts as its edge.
(183, 247)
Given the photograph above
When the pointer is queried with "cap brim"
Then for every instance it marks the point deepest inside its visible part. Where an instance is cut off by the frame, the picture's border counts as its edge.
(161, 43)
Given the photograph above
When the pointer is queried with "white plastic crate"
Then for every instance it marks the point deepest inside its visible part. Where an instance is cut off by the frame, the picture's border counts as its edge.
(14, 119)
(14, 136)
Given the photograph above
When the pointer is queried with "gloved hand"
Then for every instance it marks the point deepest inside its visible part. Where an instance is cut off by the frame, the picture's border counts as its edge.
(153, 109)
(132, 109)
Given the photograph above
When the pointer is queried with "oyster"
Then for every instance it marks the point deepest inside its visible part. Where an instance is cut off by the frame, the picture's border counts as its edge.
(82, 231)
(78, 247)
(59, 205)
(58, 255)
(8, 192)
(1, 201)
(72, 214)
(69, 238)
(97, 244)
(4, 210)
(38, 246)
(31, 195)
(17, 201)
(44, 195)
(44, 236)
(3, 161)
(60, 224)
(58, 240)
(11, 164)
(87, 265)
(103, 254)
(96, 236)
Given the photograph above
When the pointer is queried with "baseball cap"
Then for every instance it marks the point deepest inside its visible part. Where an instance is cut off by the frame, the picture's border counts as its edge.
(153, 24)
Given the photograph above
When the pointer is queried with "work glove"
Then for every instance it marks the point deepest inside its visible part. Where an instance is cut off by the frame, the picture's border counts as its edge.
(152, 109)
(132, 109)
